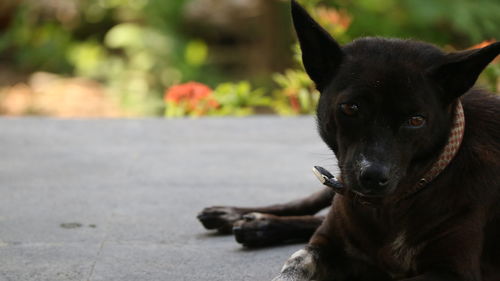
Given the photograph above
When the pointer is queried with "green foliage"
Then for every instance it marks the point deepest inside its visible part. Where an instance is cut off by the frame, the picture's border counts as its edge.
(227, 99)
(196, 53)
(238, 99)
(143, 59)
(491, 77)
(27, 44)
(474, 19)
(131, 73)
(296, 93)
(458, 22)
(137, 48)
(455, 21)
(182, 109)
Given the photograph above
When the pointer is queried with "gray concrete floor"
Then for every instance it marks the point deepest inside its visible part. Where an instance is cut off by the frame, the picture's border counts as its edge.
(117, 199)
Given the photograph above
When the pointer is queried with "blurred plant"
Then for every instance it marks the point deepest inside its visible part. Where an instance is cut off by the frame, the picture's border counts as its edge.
(141, 56)
(189, 99)
(460, 22)
(238, 99)
(133, 62)
(28, 44)
(296, 94)
(491, 77)
(135, 48)
(228, 99)
(138, 48)
(336, 19)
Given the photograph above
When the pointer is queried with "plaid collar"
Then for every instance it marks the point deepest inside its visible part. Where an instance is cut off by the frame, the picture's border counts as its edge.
(447, 154)
(451, 148)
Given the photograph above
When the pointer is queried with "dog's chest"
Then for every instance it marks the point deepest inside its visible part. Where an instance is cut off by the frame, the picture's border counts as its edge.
(399, 256)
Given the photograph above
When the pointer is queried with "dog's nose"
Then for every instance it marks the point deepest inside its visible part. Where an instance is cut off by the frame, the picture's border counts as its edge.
(374, 177)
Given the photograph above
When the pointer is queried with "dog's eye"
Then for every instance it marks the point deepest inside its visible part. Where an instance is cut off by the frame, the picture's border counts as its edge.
(349, 109)
(416, 121)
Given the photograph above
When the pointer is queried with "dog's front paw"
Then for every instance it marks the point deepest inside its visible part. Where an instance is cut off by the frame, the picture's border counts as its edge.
(301, 266)
(257, 229)
(221, 218)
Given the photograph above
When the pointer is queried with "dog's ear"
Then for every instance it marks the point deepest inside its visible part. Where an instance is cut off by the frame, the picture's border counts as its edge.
(460, 70)
(321, 54)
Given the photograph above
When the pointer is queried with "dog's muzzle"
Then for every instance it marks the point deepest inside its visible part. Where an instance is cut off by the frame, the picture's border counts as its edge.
(326, 178)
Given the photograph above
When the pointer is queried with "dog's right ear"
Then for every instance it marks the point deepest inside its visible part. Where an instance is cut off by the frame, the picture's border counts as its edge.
(460, 70)
(321, 54)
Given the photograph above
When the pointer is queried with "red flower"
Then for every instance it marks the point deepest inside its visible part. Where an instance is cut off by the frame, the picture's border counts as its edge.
(334, 16)
(196, 96)
(294, 102)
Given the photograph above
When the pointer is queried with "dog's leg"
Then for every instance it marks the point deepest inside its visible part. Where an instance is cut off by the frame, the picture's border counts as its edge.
(301, 266)
(328, 257)
(315, 263)
(258, 229)
(222, 218)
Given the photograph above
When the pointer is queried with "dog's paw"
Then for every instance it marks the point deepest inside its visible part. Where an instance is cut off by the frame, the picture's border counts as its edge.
(257, 229)
(301, 266)
(221, 218)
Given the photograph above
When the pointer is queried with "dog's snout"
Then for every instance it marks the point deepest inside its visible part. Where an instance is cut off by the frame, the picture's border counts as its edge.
(374, 177)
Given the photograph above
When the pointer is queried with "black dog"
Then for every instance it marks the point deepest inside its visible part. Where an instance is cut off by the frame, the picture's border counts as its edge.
(419, 153)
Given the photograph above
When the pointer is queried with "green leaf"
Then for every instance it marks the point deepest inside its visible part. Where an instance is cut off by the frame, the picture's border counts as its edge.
(196, 52)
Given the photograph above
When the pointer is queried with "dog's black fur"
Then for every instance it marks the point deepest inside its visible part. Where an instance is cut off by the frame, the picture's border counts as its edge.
(386, 110)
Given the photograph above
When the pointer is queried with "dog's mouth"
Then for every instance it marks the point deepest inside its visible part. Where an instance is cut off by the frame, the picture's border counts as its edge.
(326, 178)
(368, 199)
(367, 194)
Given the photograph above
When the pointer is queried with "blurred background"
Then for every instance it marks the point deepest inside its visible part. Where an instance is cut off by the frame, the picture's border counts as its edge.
(177, 58)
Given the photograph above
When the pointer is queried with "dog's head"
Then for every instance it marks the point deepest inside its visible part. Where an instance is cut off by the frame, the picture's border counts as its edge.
(386, 105)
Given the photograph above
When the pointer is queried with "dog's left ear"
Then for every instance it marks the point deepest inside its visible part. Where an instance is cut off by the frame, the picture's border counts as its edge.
(321, 54)
(460, 70)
